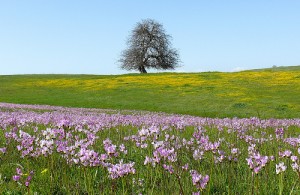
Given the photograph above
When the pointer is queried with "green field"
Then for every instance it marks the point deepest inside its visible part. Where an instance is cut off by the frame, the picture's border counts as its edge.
(267, 93)
(58, 150)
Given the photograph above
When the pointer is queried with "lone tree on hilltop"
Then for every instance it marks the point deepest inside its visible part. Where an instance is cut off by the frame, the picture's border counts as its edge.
(149, 47)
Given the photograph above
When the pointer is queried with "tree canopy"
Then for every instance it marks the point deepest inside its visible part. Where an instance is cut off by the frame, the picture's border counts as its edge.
(149, 47)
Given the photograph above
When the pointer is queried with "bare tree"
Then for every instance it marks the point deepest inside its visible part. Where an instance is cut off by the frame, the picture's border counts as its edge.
(149, 47)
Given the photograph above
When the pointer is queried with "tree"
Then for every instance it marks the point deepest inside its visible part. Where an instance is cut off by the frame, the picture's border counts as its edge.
(149, 47)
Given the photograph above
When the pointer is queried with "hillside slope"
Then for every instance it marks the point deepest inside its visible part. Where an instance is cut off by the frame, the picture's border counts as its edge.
(266, 94)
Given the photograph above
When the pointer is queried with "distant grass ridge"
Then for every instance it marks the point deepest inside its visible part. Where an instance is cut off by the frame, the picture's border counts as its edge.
(260, 93)
(279, 68)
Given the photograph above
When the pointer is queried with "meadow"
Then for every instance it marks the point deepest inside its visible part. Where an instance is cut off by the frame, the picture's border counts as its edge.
(268, 93)
(59, 150)
(166, 133)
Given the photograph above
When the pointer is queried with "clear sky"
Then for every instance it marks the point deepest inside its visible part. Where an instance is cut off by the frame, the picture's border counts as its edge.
(87, 37)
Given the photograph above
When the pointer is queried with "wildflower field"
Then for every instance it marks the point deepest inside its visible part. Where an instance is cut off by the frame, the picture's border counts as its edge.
(58, 150)
(267, 93)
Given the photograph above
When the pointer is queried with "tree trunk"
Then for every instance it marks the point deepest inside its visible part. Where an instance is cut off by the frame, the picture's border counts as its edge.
(142, 69)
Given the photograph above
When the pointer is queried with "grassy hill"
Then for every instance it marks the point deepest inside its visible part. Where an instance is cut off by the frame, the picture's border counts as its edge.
(279, 68)
(262, 93)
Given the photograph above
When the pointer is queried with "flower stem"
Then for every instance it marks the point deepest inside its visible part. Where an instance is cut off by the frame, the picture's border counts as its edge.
(180, 185)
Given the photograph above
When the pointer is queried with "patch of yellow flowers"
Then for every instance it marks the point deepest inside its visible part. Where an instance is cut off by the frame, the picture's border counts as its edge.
(176, 80)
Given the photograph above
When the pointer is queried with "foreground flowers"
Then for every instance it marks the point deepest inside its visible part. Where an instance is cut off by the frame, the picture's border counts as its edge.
(96, 152)
(198, 180)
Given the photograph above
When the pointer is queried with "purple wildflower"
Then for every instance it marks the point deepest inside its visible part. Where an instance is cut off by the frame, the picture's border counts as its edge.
(19, 171)
(295, 167)
(279, 133)
(198, 180)
(121, 169)
(286, 153)
(280, 168)
(169, 168)
(185, 167)
(198, 154)
(123, 149)
(294, 158)
(3, 150)
(16, 177)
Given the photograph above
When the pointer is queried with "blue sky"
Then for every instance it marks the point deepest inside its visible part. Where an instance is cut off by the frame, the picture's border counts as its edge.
(87, 37)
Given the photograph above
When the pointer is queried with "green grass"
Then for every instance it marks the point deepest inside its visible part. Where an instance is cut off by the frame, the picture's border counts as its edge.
(279, 68)
(261, 93)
